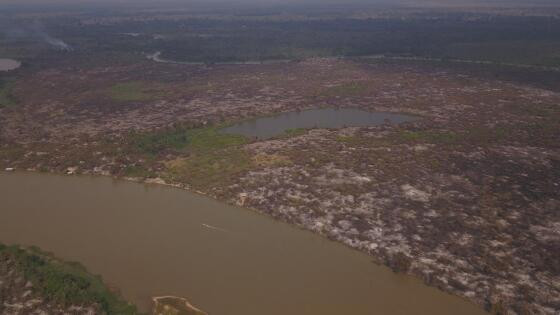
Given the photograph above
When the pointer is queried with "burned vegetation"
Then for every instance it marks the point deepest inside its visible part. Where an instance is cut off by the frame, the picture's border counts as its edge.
(466, 197)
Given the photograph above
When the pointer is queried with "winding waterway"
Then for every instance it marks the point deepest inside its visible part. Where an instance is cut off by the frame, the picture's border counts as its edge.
(158, 58)
(154, 240)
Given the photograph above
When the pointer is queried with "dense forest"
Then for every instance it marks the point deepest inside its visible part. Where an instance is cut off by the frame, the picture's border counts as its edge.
(262, 35)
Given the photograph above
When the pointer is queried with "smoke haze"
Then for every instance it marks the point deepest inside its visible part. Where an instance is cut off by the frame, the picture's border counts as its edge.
(288, 2)
(32, 32)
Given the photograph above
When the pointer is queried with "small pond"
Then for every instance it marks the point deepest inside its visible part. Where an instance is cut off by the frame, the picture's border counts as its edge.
(268, 127)
(9, 64)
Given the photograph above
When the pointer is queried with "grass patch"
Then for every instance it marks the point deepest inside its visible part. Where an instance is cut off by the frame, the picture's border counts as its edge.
(346, 89)
(270, 160)
(133, 91)
(545, 132)
(64, 283)
(534, 52)
(350, 140)
(154, 143)
(293, 132)
(476, 135)
(6, 96)
(209, 168)
(485, 135)
(185, 139)
(205, 139)
(540, 110)
(446, 137)
(12, 152)
(211, 157)
(138, 171)
(358, 140)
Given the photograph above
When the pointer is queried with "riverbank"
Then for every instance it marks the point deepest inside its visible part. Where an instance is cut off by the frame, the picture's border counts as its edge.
(173, 305)
(32, 281)
(465, 199)
(222, 258)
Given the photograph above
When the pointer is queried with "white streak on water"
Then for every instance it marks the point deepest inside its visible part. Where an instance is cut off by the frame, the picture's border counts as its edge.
(213, 227)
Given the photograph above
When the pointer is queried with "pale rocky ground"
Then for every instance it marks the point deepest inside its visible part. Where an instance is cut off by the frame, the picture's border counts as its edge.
(445, 227)
(466, 198)
(63, 105)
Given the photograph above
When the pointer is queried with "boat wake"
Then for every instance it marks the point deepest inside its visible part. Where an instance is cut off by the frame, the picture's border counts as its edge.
(213, 227)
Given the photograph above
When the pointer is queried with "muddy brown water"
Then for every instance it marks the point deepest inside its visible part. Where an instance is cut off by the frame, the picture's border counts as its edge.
(152, 240)
(9, 64)
(268, 127)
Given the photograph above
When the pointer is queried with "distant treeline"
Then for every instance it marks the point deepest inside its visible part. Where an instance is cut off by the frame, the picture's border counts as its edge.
(511, 39)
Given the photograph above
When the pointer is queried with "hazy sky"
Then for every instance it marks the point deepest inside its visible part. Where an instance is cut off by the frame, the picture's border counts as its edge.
(68, 4)
(155, 2)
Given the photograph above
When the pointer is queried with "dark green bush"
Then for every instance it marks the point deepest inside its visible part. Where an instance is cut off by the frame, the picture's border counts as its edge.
(65, 283)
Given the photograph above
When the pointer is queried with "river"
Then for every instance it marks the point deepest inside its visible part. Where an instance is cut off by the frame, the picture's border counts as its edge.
(158, 58)
(151, 240)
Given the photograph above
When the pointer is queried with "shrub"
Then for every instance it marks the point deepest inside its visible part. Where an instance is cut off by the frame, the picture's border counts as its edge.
(65, 283)
(399, 262)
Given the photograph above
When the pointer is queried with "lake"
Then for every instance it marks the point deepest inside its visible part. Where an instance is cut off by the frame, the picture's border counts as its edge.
(9, 64)
(150, 240)
(268, 127)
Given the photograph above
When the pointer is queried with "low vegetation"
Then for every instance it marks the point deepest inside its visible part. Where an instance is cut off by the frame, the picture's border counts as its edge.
(479, 135)
(201, 156)
(6, 96)
(175, 138)
(63, 283)
(134, 91)
(541, 53)
(346, 89)
(465, 198)
(271, 160)
(429, 136)
(294, 132)
(138, 172)
(184, 138)
(204, 170)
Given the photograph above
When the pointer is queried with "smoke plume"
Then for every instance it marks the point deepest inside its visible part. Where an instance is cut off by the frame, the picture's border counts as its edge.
(55, 42)
(33, 32)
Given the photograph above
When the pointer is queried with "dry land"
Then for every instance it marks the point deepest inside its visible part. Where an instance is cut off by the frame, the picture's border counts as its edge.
(467, 198)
